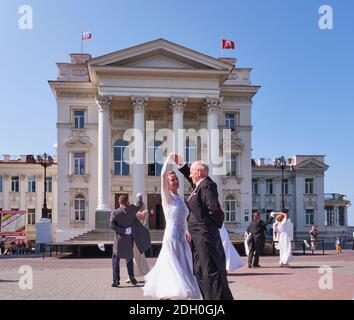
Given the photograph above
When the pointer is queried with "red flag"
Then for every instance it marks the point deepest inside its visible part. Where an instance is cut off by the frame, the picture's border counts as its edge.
(228, 44)
(86, 36)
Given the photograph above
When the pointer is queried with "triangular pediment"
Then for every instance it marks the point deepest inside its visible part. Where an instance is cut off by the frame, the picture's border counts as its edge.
(160, 53)
(312, 164)
(78, 142)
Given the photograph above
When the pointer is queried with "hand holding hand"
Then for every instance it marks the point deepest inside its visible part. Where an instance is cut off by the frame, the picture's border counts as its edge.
(272, 214)
(176, 158)
(139, 195)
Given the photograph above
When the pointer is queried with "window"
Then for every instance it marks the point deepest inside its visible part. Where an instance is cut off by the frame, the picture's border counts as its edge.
(329, 216)
(79, 119)
(49, 184)
(310, 216)
(121, 152)
(269, 186)
(31, 183)
(79, 163)
(79, 208)
(15, 184)
(231, 164)
(341, 216)
(285, 187)
(254, 186)
(0, 183)
(230, 209)
(190, 151)
(31, 216)
(308, 186)
(230, 121)
(155, 158)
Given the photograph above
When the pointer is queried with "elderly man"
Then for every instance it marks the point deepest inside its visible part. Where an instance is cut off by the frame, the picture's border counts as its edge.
(204, 220)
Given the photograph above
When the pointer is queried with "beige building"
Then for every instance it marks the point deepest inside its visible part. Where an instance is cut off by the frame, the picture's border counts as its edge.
(22, 188)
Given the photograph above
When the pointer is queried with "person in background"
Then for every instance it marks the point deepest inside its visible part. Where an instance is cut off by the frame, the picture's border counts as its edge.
(338, 245)
(313, 237)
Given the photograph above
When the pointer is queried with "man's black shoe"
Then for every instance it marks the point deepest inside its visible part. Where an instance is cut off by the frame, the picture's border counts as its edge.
(133, 281)
(249, 266)
(257, 266)
(115, 284)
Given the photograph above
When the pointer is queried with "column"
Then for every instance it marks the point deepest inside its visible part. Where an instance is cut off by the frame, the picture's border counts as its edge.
(177, 105)
(138, 105)
(104, 185)
(213, 106)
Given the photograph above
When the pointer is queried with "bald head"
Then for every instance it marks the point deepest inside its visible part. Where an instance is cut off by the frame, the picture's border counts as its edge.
(198, 171)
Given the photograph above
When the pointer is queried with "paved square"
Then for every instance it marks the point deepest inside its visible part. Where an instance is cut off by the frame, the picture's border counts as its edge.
(77, 279)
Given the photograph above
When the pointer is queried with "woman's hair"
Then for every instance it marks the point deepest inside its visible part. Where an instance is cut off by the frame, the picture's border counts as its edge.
(170, 173)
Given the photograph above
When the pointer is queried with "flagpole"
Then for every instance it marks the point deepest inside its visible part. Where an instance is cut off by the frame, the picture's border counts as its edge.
(81, 42)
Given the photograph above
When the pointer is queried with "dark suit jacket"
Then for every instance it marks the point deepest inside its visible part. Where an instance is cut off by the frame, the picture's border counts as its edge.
(125, 217)
(203, 202)
(257, 229)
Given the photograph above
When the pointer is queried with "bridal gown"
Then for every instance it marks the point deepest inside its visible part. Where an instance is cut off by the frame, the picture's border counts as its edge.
(172, 276)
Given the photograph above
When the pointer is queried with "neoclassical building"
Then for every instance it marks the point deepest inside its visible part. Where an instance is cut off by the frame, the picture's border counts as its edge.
(149, 87)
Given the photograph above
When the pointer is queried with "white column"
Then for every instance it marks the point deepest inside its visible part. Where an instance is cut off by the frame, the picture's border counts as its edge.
(138, 105)
(213, 107)
(104, 131)
(177, 105)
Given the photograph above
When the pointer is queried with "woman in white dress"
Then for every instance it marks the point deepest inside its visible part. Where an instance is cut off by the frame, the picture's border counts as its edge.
(172, 276)
(233, 259)
(140, 264)
(283, 232)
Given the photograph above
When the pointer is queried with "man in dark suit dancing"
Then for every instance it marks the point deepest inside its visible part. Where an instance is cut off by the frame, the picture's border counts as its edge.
(256, 240)
(127, 229)
(205, 218)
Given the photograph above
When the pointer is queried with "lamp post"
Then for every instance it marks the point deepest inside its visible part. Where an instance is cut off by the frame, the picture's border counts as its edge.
(282, 164)
(45, 161)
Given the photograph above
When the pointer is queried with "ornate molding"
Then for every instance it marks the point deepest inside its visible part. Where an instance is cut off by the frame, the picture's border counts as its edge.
(241, 99)
(138, 103)
(177, 104)
(121, 115)
(155, 115)
(75, 94)
(190, 116)
(213, 104)
(103, 103)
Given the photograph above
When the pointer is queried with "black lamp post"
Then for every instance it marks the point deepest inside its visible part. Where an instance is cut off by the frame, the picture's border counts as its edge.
(282, 164)
(45, 161)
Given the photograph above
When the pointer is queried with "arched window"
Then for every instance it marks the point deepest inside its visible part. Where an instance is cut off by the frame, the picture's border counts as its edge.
(190, 151)
(121, 151)
(79, 207)
(230, 208)
(155, 158)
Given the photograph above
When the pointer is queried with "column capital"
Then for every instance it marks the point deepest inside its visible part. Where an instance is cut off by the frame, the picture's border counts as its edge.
(138, 103)
(103, 103)
(177, 104)
(213, 103)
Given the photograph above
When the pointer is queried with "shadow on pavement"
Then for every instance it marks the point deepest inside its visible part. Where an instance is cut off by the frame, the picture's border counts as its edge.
(1, 280)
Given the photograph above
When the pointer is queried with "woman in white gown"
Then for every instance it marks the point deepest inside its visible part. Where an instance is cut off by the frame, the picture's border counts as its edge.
(172, 276)
(283, 233)
(233, 259)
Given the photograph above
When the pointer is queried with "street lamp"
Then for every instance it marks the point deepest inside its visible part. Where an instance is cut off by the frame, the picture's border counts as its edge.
(45, 161)
(282, 164)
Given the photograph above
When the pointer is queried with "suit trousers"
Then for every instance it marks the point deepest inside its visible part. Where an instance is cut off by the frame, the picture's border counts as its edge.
(116, 267)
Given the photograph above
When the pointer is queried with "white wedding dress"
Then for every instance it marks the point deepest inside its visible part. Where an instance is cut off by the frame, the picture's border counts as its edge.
(172, 276)
(233, 259)
(284, 237)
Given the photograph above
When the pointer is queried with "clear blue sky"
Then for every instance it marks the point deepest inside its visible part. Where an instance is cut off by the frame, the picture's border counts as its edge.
(305, 105)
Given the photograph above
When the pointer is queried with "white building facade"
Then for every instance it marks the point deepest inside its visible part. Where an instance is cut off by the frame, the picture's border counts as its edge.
(149, 87)
(304, 196)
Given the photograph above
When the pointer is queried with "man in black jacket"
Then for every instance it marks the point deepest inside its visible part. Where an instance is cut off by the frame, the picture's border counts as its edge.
(256, 241)
(206, 216)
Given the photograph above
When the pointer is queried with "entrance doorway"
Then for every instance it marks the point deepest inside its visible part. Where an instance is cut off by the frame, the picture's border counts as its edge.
(156, 216)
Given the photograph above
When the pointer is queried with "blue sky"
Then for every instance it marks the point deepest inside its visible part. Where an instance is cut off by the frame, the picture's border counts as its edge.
(305, 105)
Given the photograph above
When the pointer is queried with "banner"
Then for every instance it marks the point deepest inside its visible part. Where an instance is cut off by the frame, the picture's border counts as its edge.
(13, 222)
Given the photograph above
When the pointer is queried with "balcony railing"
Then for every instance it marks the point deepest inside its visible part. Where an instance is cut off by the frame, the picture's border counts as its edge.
(334, 196)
